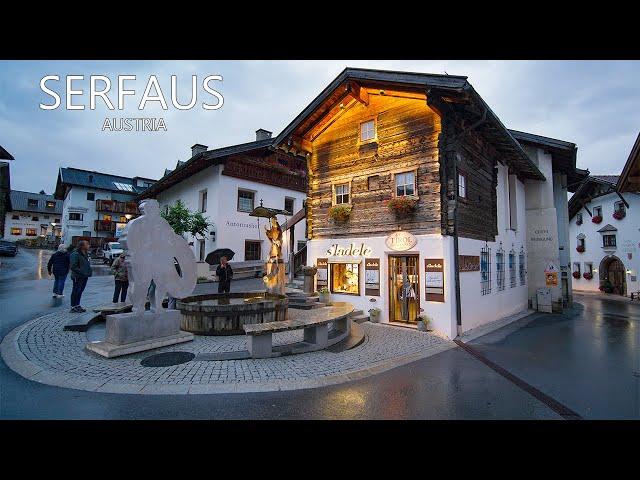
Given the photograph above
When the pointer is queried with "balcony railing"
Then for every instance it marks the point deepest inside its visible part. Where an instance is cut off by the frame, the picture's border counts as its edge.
(104, 226)
(115, 206)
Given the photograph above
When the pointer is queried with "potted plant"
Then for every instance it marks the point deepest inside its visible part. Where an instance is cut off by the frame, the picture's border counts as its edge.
(402, 206)
(576, 275)
(424, 322)
(580, 248)
(374, 314)
(596, 219)
(340, 213)
(619, 214)
(324, 296)
(587, 275)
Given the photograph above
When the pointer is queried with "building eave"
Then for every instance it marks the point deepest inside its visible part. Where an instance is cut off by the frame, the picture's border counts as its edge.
(629, 180)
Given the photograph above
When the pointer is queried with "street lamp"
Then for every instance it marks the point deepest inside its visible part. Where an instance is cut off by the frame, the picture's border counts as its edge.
(128, 216)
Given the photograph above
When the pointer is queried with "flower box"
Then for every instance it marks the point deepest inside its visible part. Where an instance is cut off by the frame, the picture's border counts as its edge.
(580, 248)
(596, 219)
(340, 213)
(587, 275)
(402, 206)
(619, 215)
(578, 222)
(576, 275)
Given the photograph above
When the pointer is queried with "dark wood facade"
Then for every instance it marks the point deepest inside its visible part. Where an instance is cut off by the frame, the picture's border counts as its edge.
(276, 168)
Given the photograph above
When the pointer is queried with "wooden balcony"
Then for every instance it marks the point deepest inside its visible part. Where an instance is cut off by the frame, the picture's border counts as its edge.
(114, 206)
(104, 226)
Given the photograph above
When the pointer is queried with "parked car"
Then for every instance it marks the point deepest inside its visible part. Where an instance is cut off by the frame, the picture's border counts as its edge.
(111, 251)
(8, 248)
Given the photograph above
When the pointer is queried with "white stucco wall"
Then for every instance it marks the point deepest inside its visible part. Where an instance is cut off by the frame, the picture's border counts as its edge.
(25, 221)
(627, 240)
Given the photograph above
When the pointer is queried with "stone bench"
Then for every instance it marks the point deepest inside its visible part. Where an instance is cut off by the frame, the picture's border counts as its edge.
(315, 326)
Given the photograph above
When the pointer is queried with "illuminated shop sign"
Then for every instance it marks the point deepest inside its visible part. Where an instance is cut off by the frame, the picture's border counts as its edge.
(401, 241)
(352, 250)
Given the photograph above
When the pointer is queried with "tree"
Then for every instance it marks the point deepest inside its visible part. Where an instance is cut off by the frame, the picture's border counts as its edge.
(183, 220)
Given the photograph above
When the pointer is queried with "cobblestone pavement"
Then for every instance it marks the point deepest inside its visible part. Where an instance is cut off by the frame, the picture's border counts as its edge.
(42, 351)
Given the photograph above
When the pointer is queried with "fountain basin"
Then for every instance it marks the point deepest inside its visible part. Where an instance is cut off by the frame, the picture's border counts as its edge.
(225, 314)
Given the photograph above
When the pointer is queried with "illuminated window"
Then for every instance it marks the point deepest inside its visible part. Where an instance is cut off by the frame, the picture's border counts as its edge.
(367, 131)
(462, 185)
(345, 278)
(342, 193)
(51, 204)
(31, 232)
(245, 200)
(405, 184)
(16, 231)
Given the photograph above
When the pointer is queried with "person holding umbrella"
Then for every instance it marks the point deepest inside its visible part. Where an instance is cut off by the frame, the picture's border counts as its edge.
(225, 275)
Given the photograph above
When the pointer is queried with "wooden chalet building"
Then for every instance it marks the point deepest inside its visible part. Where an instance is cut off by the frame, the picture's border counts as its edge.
(420, 199)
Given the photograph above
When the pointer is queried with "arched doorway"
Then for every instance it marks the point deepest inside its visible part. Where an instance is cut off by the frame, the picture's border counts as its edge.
(612, 269)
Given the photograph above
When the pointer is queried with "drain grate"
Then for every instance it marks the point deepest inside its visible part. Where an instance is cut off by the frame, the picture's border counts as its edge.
(167, 359)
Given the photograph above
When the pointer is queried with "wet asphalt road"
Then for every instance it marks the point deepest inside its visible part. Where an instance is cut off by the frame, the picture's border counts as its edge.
(586, 359)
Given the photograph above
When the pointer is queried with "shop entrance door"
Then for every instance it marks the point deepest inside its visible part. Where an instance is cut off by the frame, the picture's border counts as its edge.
(404, 288)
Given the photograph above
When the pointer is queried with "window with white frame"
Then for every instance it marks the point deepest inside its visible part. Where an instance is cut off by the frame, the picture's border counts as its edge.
(367, 131)
(619, 207)
(462, 185)
(341, 193)
(245, 200)
(203, 200)
(576, 267)
(405, 184)
(597, 211)
(608, 240)
(588, 267)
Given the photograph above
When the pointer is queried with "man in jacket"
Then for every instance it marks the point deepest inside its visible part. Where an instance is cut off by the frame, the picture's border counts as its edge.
(58, 266)
(121, 275)
(224, 274)
(80, 273)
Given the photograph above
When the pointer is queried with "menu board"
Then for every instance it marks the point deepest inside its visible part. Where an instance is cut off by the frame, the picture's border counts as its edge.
(372, 277)
(323, 273)
(434, 279)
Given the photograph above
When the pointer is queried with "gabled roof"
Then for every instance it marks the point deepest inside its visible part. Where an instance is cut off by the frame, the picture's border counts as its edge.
(612, 179)
(4, 155)
(19, 202)
(98, 180)
(608, 228)
(629, 180)
(463, 99)
(592, 187)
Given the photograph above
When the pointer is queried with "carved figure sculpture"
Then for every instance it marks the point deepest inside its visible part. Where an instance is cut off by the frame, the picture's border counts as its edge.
(274, 234)
(153, 250)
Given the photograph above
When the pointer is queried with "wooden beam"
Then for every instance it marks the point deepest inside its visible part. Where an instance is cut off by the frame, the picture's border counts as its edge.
(359, 93)
(300, 143)
(330, 117)
(622, 198)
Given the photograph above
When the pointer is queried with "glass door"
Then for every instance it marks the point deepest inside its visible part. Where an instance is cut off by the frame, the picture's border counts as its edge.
(404, 288)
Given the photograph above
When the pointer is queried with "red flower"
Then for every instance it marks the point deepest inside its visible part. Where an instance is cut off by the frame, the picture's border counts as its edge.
(587, 275)
(618, 215)
(596, 219)
(576, 275)
(580, 248)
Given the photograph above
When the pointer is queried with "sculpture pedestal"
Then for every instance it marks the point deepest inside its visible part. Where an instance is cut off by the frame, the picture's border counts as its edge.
(309, 274)
(136, 332)
(275, 284)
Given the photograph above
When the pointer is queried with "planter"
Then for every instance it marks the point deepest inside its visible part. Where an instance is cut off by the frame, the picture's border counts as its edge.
(587, 275)
(421, 326)
(580, 249)
(576, 275)
(374, 315)
(596, 219)
(619, 215)
(340, 213)
(402, 206)
(324, 297)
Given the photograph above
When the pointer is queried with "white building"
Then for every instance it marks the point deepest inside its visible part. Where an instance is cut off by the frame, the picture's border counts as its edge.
(488, 226)
(605, 236)
(226, 184)
(32, 215)
(96, 206)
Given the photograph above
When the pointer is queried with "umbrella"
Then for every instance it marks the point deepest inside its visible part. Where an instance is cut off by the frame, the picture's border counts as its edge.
(213, 258)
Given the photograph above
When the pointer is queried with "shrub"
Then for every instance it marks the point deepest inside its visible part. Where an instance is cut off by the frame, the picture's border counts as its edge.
(402, 206)
(340, 213)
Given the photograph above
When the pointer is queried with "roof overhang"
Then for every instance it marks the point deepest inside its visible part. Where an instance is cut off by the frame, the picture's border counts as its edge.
(454, 93)
(4, 155)
(629, 180)
(583, 194)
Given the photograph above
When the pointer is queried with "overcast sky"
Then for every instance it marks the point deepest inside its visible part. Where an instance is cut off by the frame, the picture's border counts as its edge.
(593, 104)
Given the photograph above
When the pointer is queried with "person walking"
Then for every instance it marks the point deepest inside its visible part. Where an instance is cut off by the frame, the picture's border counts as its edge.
(80, 273)
(58, 266)
(225, 275)
(121, 275)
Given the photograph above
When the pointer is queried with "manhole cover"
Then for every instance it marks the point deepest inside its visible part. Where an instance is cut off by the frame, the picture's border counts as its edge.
(167, 359)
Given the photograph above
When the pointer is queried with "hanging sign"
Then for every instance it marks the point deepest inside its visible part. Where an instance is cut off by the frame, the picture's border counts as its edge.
(434, 279)
(372, 277)
(401, 241)
(323, 272)
(468, 263)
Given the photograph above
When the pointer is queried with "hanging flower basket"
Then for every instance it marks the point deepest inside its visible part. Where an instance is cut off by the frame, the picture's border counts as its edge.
(576, 275)
(596, 219)
(580, 248)
(587, 275)
(402, 206)
(578, 222)
(340, 213)
(619, 215)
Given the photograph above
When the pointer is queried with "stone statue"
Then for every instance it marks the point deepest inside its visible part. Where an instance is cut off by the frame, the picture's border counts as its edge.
(155, 252)
(274, 278)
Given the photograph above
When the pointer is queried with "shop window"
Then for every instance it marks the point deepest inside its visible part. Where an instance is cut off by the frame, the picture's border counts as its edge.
(16, 231)
(75, 216)
(252, 250)
(246, 200)
(367, 131)
(31, 232)
(608, 240)
(345, 278)
(500, 268)
(521, 267)
(91, 196)
(32, 202)
(341, 193)
(512, 268)
(289, 204)
(462, 185)
(203, 201)
(485, 270)
(405, 184)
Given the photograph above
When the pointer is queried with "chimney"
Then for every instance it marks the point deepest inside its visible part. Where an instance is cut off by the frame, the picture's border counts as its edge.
(262, 134)
(198, 148)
